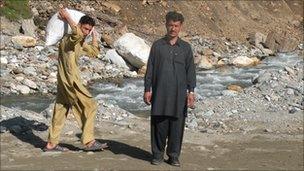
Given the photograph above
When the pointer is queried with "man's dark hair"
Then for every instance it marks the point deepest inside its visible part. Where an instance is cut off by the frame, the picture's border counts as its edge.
(87, 20)
(174, 16)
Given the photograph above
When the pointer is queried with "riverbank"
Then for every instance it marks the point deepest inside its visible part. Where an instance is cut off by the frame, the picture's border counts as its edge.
(130, 147)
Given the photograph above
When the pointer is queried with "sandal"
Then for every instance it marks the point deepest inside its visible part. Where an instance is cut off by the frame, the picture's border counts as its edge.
(96, 146)
(57, 148)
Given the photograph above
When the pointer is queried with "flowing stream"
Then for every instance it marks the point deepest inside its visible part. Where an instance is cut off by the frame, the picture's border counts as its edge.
(129, 94)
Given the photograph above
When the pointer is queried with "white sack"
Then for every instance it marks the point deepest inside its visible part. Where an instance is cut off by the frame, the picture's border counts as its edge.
(56, 28)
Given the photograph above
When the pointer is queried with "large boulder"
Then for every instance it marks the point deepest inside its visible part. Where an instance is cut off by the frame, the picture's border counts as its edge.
(115, 58)
(133, 49)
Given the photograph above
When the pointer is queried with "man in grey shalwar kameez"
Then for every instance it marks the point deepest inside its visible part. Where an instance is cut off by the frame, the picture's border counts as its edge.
(169, 86)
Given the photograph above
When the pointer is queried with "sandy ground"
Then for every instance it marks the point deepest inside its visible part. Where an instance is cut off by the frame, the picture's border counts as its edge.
(130, 150)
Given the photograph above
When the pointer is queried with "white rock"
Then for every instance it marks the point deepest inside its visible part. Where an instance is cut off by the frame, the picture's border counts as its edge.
(242, 61)
(39, 48)
(30, 83)
(205, 63)
(19, 78)
(53, 74)
(133, 49)
(3, 60)
(115, 58)
(23, 89)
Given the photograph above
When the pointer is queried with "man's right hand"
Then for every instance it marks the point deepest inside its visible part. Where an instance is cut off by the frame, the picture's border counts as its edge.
(147, 97)
(63, 14)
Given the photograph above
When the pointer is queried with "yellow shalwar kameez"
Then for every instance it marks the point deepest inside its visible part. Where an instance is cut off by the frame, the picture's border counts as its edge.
(71, 93)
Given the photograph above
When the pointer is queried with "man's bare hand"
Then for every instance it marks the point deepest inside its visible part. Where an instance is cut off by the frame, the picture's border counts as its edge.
(63, 14)
(190, 100)
(147, 97)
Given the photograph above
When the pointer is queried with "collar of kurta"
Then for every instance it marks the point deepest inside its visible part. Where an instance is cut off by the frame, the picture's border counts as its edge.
(166, 41)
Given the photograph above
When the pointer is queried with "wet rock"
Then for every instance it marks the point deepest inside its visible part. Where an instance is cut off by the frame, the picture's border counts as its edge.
(24, 41)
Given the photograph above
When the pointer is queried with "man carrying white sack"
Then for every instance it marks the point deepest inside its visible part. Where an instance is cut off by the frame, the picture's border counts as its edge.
(71, 94)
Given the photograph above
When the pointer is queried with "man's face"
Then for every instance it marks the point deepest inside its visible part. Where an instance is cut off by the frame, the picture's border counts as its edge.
(86, 29)
(173, 28)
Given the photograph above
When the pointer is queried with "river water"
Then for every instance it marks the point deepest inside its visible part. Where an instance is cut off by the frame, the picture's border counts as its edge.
(128, 95)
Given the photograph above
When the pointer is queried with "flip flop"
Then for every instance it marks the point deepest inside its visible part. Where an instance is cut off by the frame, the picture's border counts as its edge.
(57, 148)
(96, 146)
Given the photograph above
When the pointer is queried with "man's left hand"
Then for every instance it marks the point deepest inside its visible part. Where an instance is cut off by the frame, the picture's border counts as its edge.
(190, 100)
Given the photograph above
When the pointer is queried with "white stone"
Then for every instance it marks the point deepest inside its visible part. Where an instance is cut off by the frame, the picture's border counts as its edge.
(133, 49)
(23, 89)
(30, 83)
(205, 63)
(115, 58)
(53, 74)
(242, 61)
(3, 60)
(19, 78)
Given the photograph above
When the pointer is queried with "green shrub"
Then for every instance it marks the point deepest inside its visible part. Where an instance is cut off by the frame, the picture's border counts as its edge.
(15, 9)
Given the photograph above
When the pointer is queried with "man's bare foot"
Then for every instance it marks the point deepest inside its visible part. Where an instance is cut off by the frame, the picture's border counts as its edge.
(54, 147)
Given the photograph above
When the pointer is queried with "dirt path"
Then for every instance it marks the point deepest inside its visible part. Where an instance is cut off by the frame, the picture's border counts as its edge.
(130, 150)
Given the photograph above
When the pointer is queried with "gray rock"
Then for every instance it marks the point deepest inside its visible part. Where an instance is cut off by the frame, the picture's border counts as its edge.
(30, 71)
(30, 84)
(290, 91)
(23, 89)
(229, 93)
(28, 27)
(209, 113)
(115, 58)
(192, 124)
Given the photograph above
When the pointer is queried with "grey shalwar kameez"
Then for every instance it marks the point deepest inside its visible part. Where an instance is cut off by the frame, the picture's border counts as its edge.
(170, 74)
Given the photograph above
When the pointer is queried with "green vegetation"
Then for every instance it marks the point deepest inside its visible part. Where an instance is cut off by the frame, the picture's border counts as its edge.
(15, 9)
